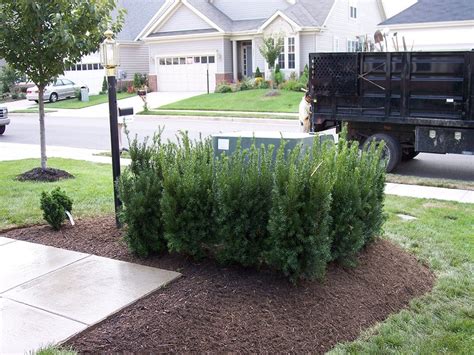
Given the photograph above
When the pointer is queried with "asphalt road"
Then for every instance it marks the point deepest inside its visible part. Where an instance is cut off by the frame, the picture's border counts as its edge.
(93, 133)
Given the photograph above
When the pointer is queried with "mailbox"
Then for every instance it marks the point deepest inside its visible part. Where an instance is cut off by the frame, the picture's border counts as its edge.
(127, 111)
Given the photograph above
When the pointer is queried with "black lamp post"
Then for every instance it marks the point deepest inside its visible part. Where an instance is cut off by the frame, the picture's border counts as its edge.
(110, 60)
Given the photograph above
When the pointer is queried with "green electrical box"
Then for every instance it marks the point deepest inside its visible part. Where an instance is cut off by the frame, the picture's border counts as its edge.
(227, 142)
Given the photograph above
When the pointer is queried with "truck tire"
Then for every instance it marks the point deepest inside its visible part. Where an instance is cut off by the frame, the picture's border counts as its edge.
(409, 154)
(2, 129)
(392, 150)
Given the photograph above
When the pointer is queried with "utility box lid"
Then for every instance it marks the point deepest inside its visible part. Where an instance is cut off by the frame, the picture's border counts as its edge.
(227, 142)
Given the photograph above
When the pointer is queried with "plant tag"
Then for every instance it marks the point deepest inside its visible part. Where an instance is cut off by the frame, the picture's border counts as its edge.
(71, 220)
(223, 144)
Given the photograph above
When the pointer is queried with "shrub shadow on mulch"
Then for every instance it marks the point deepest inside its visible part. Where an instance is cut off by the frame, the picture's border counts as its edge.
(233, 309)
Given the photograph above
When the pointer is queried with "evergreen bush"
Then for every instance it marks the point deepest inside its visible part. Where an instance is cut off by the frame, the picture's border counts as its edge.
(140, 190)
(243, 187)
(299, 242)
(187, 201)
(105, 86)
(223, 88)
(54, 206)
(258, 73)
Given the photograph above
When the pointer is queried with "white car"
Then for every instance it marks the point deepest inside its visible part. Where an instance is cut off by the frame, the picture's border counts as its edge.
(61, 89)
(4, 120)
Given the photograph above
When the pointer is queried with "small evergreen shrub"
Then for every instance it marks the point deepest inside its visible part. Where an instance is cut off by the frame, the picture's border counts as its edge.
(299, 242)
(278, 75)
(187, 201)
(223, 88)
(105, 86)
(54, 206)
(258, 73)
(140, 190)
(304, 78)
(242, 188)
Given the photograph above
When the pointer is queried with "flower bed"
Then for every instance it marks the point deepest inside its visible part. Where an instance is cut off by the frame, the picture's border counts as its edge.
(294, 214)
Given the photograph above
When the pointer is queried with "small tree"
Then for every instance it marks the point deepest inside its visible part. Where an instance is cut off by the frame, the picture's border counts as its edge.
(271, 49)
(105, 86)
(43, 38)
(8, 78)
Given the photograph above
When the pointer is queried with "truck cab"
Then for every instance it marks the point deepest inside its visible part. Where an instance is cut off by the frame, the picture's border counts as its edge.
(4, 120)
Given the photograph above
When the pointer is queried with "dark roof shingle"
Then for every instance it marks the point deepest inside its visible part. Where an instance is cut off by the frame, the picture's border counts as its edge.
(425, 11)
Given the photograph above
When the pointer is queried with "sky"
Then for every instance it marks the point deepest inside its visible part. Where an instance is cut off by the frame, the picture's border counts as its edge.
(393, 7)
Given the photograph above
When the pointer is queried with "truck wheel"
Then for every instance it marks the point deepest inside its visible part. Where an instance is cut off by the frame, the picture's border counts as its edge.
(409, 154)
(392, 152)
(2, 129)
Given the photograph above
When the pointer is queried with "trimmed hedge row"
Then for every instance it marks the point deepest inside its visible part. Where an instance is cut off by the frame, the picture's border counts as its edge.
(293, 214)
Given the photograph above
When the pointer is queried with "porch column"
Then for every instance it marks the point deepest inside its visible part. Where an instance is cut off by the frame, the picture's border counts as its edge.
(297, 54)
(234, 62)
(254, 55)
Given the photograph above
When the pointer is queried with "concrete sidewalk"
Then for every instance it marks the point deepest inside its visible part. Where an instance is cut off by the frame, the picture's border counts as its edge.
(13, 151)
(48, 294)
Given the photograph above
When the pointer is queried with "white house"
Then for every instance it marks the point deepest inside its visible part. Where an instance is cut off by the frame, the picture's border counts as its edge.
(434, 25)
(192, 40)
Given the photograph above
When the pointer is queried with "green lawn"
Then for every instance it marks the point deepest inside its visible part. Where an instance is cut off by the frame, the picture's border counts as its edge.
(214, 114)
(442, 237)
(249, 100)
(93, 100)
(19, 201)
(33, 110)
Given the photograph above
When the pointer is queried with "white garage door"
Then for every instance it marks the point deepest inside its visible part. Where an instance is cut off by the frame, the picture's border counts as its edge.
(187, 73)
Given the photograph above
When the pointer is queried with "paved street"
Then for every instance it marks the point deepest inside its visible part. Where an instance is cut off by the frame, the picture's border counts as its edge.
(93, 133)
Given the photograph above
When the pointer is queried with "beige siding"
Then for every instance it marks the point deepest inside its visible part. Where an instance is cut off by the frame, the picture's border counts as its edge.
(341, 26)
(250, 9)
(183, 19)
(133, 59)
(308, 45)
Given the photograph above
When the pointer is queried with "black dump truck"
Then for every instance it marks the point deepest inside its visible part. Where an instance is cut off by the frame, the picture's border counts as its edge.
(413, 101)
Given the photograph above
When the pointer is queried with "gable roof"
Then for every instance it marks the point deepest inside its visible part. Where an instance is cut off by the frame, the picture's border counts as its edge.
(139, 13)
(305, 13)
(426, 11)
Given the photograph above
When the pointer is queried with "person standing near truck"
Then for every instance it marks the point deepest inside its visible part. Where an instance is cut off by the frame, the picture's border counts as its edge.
(305, 113)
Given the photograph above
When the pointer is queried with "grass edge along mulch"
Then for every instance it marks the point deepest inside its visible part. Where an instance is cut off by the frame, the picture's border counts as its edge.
(238, 309)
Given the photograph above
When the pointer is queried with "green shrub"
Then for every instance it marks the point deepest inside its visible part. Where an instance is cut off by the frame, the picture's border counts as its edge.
(258, 73)
(223, 88)
(247, 84)
(242, 188)
(54, 206)
(187, 201)
(105, 86)
(139, 81)
(304, 78)
(278, 75)
(299, 242)
(293, 85)
(140, 190)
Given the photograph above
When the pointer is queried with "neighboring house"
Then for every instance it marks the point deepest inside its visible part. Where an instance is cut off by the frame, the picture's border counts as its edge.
(434, 25)
(133, 53)
(195, 44)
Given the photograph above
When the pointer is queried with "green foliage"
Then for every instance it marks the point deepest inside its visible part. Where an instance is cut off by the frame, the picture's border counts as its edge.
(139, 81)
(278, 75)
(271, 48)
(8, 77)
(258, 73)
(299, 243)
(105, 86)
(140, 190)
(293, 214)
(242, 188)
(293, 85)
(357, 208)
(187, 201)
(54, 206)
(223, 88)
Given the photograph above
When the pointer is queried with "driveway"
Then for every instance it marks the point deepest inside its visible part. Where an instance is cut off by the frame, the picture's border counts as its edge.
(18, 105)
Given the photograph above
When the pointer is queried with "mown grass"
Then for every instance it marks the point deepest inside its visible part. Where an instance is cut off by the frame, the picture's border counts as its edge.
(249, 100)
(214, 114)
(442, 321)
(91, 191)
(93, 100)
(441, 237)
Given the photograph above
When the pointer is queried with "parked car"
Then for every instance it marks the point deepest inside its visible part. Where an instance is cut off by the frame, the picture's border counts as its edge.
(61, 89)
(4, 120)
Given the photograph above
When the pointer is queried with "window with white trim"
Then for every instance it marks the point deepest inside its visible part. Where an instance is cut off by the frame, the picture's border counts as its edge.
(281, 57)
(291, 53)
(353, 9)
(353, 12)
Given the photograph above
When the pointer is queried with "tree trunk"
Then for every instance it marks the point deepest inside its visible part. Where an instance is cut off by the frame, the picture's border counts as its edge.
(42, 127)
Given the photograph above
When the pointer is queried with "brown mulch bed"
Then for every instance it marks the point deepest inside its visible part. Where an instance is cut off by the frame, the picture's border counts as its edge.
(233, 309)
(47, 175)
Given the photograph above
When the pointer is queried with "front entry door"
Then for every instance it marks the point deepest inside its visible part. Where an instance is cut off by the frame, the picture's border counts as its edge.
(247, 69)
